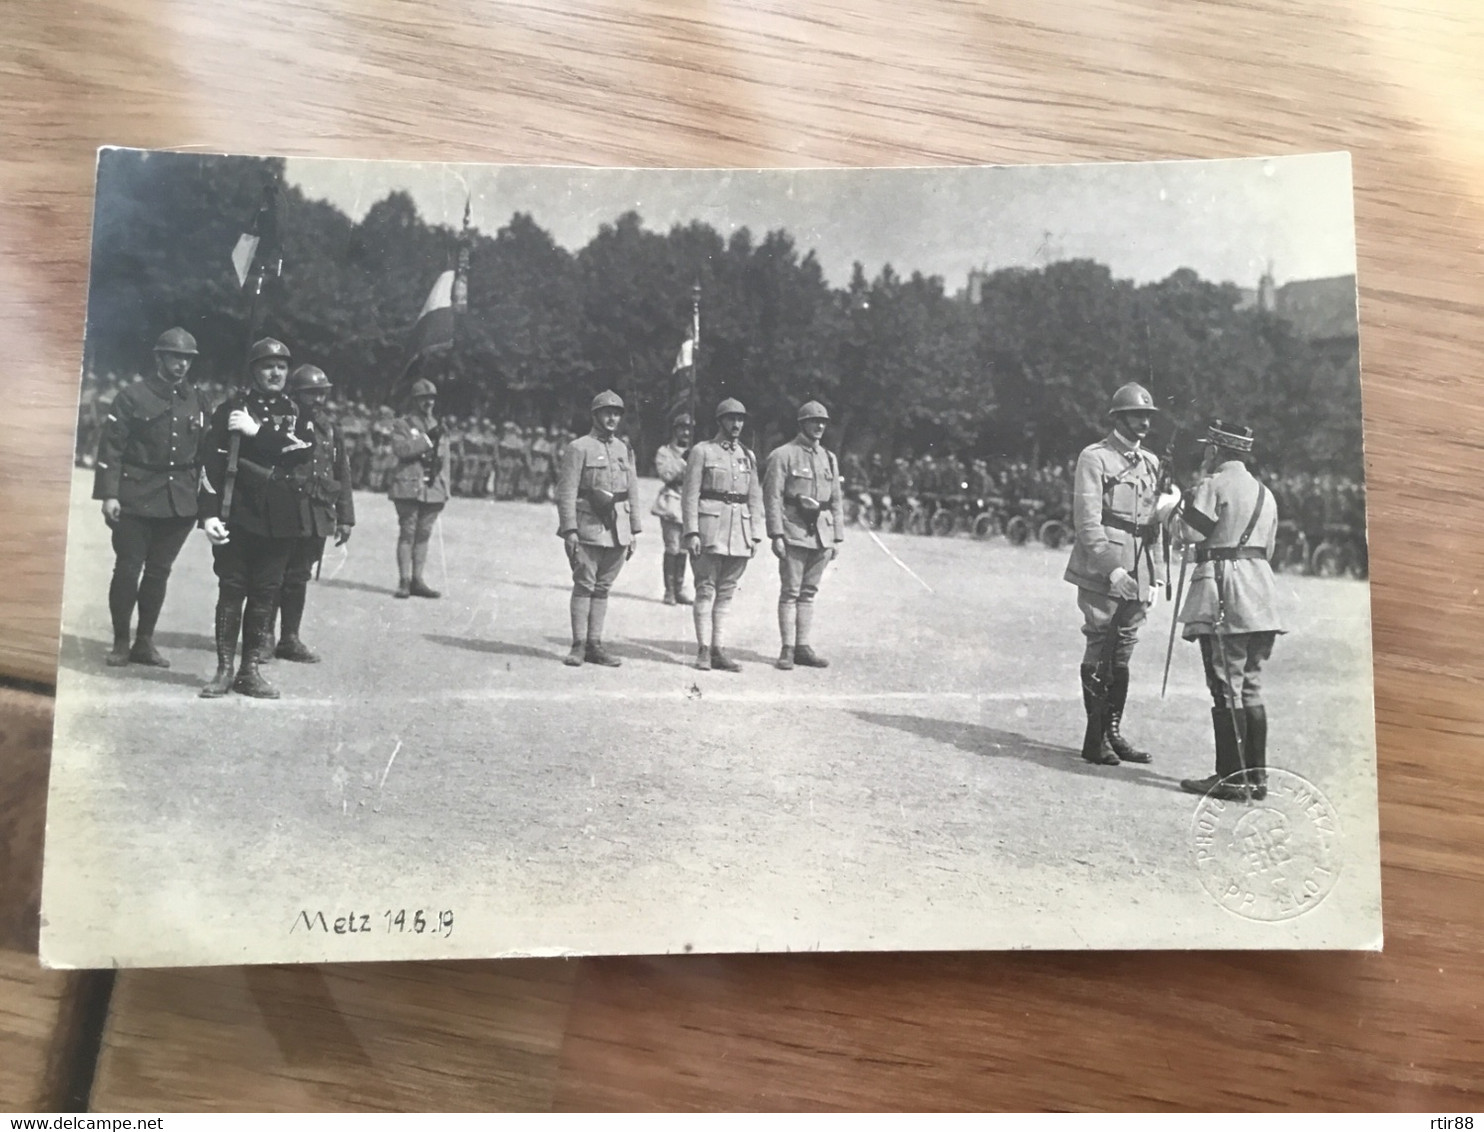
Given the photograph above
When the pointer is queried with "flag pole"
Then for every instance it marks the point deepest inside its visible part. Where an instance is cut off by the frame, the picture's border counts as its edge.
(695, 348)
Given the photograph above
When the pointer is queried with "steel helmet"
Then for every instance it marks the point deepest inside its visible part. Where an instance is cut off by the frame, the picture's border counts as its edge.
(813, 411)
(1132, 398)
(731, 407)
(267, 348)
(307, 377)
(175, 341)
(422, 387)
(606, 400)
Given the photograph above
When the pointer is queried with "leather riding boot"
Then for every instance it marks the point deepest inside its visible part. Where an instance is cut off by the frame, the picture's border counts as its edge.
(1117, 697)
(291, 601)
(151, 601)
(1095, 746)
(1228, 762)
(668, 569)
(144, 651)
(250, 681)
(228, 628)
(1257, 750)
(804, 656)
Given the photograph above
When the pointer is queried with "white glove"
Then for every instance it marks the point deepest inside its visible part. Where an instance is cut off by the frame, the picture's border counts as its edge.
(240, 420)
(1121, 585)
(216, 531)
(1165, 506)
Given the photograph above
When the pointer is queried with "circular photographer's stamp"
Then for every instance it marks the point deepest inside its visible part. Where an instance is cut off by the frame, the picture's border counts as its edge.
(1272, 858)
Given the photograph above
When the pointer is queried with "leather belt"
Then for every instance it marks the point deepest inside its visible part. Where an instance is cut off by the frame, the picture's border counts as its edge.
(618, 497)
(1119, 523)
(1228, 553)
(724, 496)
(162, 467)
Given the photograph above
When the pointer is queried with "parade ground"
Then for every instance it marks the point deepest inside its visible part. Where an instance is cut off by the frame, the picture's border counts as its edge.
(924, 791)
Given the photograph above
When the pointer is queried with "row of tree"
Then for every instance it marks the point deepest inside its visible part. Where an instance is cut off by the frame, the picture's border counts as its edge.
(903, 364)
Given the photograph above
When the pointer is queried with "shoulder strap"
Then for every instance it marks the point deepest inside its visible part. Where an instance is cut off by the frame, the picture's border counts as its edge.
(1262, 497)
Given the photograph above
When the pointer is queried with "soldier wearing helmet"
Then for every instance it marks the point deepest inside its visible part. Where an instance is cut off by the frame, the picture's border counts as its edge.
(1232, 607)
(251, 514)
(801, 492)
(419, 487)
(669, 465)
(597, 520)
(321, 478)
(1116, 519)
(722, 512)
(146, 473)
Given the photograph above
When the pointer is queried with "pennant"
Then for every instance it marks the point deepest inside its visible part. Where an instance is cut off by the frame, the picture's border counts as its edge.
(258, 252)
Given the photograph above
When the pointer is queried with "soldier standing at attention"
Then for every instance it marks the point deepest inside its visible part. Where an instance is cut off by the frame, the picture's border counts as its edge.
(419, 487)
(320, 476)
(1116, 520)
(540, 466)
(801, 489)
(146, 474)
(1232, 608)
(669, 465)
(597, 487)
(250, 514)
(722, 507)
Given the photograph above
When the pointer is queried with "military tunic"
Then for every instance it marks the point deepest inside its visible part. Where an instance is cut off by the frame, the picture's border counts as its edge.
(669, 465)
(799, 470)
(589, 465)
(1230, 594)
(722, 500)
(149, 455)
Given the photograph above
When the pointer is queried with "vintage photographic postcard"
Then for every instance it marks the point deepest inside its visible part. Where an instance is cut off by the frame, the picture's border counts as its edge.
(473, 560)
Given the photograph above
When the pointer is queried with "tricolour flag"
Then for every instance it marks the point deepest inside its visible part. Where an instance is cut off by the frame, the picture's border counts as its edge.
(434, 329)
(686, 357)
(258, 251)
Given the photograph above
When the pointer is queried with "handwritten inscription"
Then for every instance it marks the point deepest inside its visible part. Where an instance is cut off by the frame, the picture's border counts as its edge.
(391, 921)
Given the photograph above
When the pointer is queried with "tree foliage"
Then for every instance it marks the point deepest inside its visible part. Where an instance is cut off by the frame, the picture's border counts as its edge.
(903, 364)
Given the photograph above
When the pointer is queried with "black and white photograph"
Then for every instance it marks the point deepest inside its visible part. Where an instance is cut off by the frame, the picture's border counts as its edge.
(472, 560)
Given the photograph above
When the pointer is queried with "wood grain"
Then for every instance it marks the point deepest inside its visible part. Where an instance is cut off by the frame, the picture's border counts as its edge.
(729, 83)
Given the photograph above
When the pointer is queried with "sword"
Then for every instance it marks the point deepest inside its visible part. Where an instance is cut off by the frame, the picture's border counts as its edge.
(897, 560)
(1174, 621)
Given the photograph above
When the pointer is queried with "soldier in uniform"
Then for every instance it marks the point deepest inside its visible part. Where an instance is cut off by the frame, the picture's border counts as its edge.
(669, 465)
(540, 466)
(383, 460)
(801, 492)
(1232, 607)
(250, 514)
(1116, 516)
(419, 488)
(146, 474)
(722, 508)
(320, 477)
(510, 460)
(597, 489)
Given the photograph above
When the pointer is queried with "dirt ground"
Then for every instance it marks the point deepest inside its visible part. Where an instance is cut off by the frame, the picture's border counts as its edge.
(922, 792)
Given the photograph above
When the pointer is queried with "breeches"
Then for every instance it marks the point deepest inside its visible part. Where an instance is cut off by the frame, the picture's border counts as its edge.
(150, 545)
(304, 553)
(251, 566)
(1098, 611)
(717, 575)
(671, 533)
(1233, 663)
(415, 521)
(799, 572)
(595, 569)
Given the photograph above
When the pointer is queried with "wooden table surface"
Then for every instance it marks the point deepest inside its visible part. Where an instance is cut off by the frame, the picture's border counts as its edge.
(772, 83)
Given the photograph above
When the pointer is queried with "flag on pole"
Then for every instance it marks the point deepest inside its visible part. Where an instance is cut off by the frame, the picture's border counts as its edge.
(683, 373)
(449, 296)
(258, 251)
(687, 356)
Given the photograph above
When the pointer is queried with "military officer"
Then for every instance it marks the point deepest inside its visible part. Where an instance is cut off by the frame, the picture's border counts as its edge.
(250, 514)
(1116, 515)
(419, 486)
(146, 474)
(669, 465)
(1232, 608)
(320, 476)
(597, 520)
(722, 510)
(802, 496)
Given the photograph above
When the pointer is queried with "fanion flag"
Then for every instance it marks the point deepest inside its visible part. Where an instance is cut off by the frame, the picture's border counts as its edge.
(434, 328)
(258, 251)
